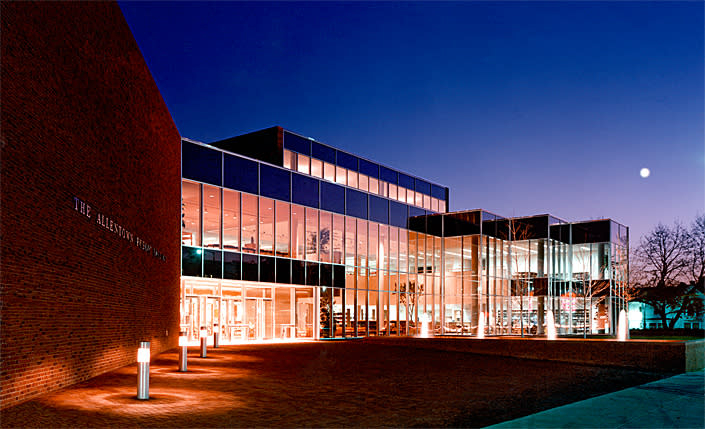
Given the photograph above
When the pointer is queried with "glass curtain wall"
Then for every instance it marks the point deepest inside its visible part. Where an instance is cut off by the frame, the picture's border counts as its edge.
(270, 269)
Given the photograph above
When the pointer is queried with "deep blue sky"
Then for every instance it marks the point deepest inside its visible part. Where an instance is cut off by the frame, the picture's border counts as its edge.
(520, 108)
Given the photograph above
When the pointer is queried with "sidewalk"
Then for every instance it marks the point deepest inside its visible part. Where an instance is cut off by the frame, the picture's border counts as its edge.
(676, 402)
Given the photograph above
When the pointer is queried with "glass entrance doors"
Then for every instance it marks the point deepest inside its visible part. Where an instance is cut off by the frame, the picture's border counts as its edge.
(247, 311)
(259, 318)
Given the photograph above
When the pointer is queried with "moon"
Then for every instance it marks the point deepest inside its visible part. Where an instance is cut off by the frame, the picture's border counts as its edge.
(645, 172)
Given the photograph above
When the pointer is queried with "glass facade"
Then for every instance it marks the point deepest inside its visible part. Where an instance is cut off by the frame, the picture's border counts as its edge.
(300, 253)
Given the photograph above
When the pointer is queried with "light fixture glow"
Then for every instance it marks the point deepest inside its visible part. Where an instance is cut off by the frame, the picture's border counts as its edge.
(644, 172)
(143, 355)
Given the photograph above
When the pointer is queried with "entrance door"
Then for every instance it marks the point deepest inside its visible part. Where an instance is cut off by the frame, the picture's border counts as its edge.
(259, 318)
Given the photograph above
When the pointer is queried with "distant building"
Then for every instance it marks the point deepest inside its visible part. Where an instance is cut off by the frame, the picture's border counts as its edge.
(643, 316)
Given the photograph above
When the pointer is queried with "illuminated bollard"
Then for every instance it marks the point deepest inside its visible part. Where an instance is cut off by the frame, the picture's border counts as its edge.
(204, 341)
(215, 335)
(183, 353)
(143, 370)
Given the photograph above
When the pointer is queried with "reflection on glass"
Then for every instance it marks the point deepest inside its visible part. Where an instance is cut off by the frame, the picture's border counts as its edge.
(393, 248)
(352, 179)
(372, 248)
(249, 223)
(191, 210)
(374, 186)
(317, 168)
(362, 182)
(302, 164)
(361, 243)
(392, 191)
(289, 159)
(350, 240)
(298, 233)
(282, 228)
(266, 216)
(211, 216)
(329, 172)
(324, 237)
(338, 234)
(231, 219)
(341, 175)
(311, 234)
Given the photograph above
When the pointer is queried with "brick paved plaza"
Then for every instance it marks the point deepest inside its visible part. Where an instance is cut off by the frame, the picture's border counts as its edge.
(325, 384)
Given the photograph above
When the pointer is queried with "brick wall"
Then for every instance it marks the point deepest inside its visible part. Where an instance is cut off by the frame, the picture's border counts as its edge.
(82, 118)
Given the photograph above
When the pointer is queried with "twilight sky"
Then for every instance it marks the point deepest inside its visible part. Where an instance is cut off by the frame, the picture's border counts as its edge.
(519, 108)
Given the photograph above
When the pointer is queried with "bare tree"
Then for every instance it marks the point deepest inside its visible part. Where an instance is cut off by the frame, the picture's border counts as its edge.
(664, 257)
(591, 286)
(409, 297)
(696, 238)
(519, 231)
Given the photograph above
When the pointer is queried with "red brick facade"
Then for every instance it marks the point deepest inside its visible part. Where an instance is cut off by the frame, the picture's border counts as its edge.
(82, 122)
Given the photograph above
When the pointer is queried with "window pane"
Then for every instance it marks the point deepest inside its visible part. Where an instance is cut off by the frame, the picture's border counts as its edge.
(231, 219)
(266, 269)
(191, 216)
(338, 229)
(324, 237)
(241, 174)
(329, 171)
(409, 196)
(392, 191)
(361, 243)
(363, 182)
(374, 186)
(352, 179)
(266, 225)
(231, 265)
(249, 267)
(401, 194)
(302, 164)
(282, 228)
(383, 188)
(288, 159)
(212, 266)
(191, 261)
(350, 240)
(379, 209)
(304, 190)
(442, 206)
(434, 204)
(249, 223)
(341, 175)
(332, 197)
(211, 216)
(311, 234)
(427, 202)
(201, 163)
(383, 255)
(316, 168)
(356, 203)
(403, 246)
(372, 246)
(283, 271)
(419, 199)
(274, 182)
(298, 243)
(393, 248)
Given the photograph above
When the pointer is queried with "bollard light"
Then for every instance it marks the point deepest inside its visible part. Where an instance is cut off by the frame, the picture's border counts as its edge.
(216, 331)
(143, 370)
(204, 341)
(183, 353)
